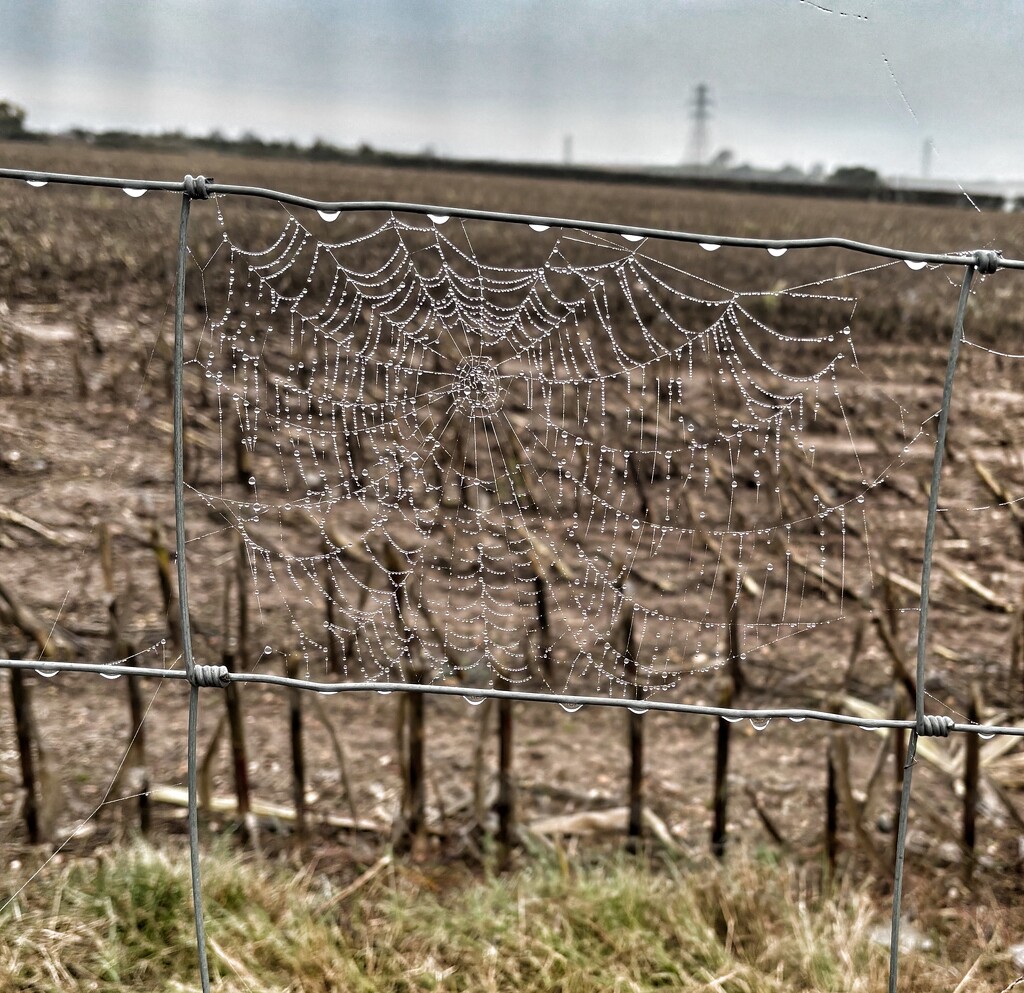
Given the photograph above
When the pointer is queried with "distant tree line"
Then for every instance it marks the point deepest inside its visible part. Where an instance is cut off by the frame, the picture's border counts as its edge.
(856, 176)
(722, 164)
(12, 127)
(247, 143)
(12, 121)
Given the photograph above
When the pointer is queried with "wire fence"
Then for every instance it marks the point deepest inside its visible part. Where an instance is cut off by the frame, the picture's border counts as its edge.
(460, 289)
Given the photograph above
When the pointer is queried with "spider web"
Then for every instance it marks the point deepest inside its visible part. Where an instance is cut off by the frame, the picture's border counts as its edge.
(582, 473)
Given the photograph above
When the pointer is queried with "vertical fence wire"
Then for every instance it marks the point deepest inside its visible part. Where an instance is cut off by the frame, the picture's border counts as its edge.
(186, 627)
(921, 724)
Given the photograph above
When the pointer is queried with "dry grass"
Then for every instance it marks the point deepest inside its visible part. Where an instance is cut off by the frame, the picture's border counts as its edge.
(123, 921)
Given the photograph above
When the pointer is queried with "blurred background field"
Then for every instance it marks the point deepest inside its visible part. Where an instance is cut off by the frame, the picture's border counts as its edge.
(86, 299)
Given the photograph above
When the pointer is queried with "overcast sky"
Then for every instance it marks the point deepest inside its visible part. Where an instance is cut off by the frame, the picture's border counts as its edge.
(835, 82)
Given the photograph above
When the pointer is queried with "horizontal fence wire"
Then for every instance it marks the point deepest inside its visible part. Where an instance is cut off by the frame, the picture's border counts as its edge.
(212, 188)
(474, 693)
(202, 676)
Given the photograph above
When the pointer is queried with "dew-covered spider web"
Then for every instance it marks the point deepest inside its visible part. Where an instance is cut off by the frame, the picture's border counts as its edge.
(478, 453)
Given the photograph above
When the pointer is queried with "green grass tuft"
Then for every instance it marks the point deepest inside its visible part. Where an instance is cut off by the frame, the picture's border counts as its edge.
(124, 921)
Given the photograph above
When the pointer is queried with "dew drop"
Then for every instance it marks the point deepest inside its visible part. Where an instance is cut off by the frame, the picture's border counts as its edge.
(798, 720)
(539, 227)
(36, 182)
(760, 723)
(474, 701)
(384, 692)
(911, 264)
(777, 252)
(47, 673)
(639, 711)
(709, 247)
(438, 218)
(632, 237)
(111, 675)
(133, 191)
(732, 720)
(986, 736)
(329, 215)
(267, 649)
(570, 708)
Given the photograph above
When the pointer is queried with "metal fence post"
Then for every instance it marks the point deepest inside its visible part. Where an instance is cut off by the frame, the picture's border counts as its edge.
(925, 724)
(193, 189)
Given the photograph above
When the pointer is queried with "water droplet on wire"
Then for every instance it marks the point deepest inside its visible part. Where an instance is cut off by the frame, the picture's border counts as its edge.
(474, 701)
(913, 264)
(47, 673)
(329, 215)
(438, 218)
(133, 191)
(570, 708)
(540, 227)
(36, 182)
(709, 246)
(760, 723)
(777, 252)
(632, 237)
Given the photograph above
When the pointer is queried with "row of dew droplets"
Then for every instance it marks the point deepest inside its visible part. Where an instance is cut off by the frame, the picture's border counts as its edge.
(439, 219)
(132, 191)
(48, 670)
(333, 215)
(758, 723)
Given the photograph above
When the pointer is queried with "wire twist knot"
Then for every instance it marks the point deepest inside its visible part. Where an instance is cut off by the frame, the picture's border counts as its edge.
(986, 261)
(210, 675)
(195, 187)
(935, 727)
